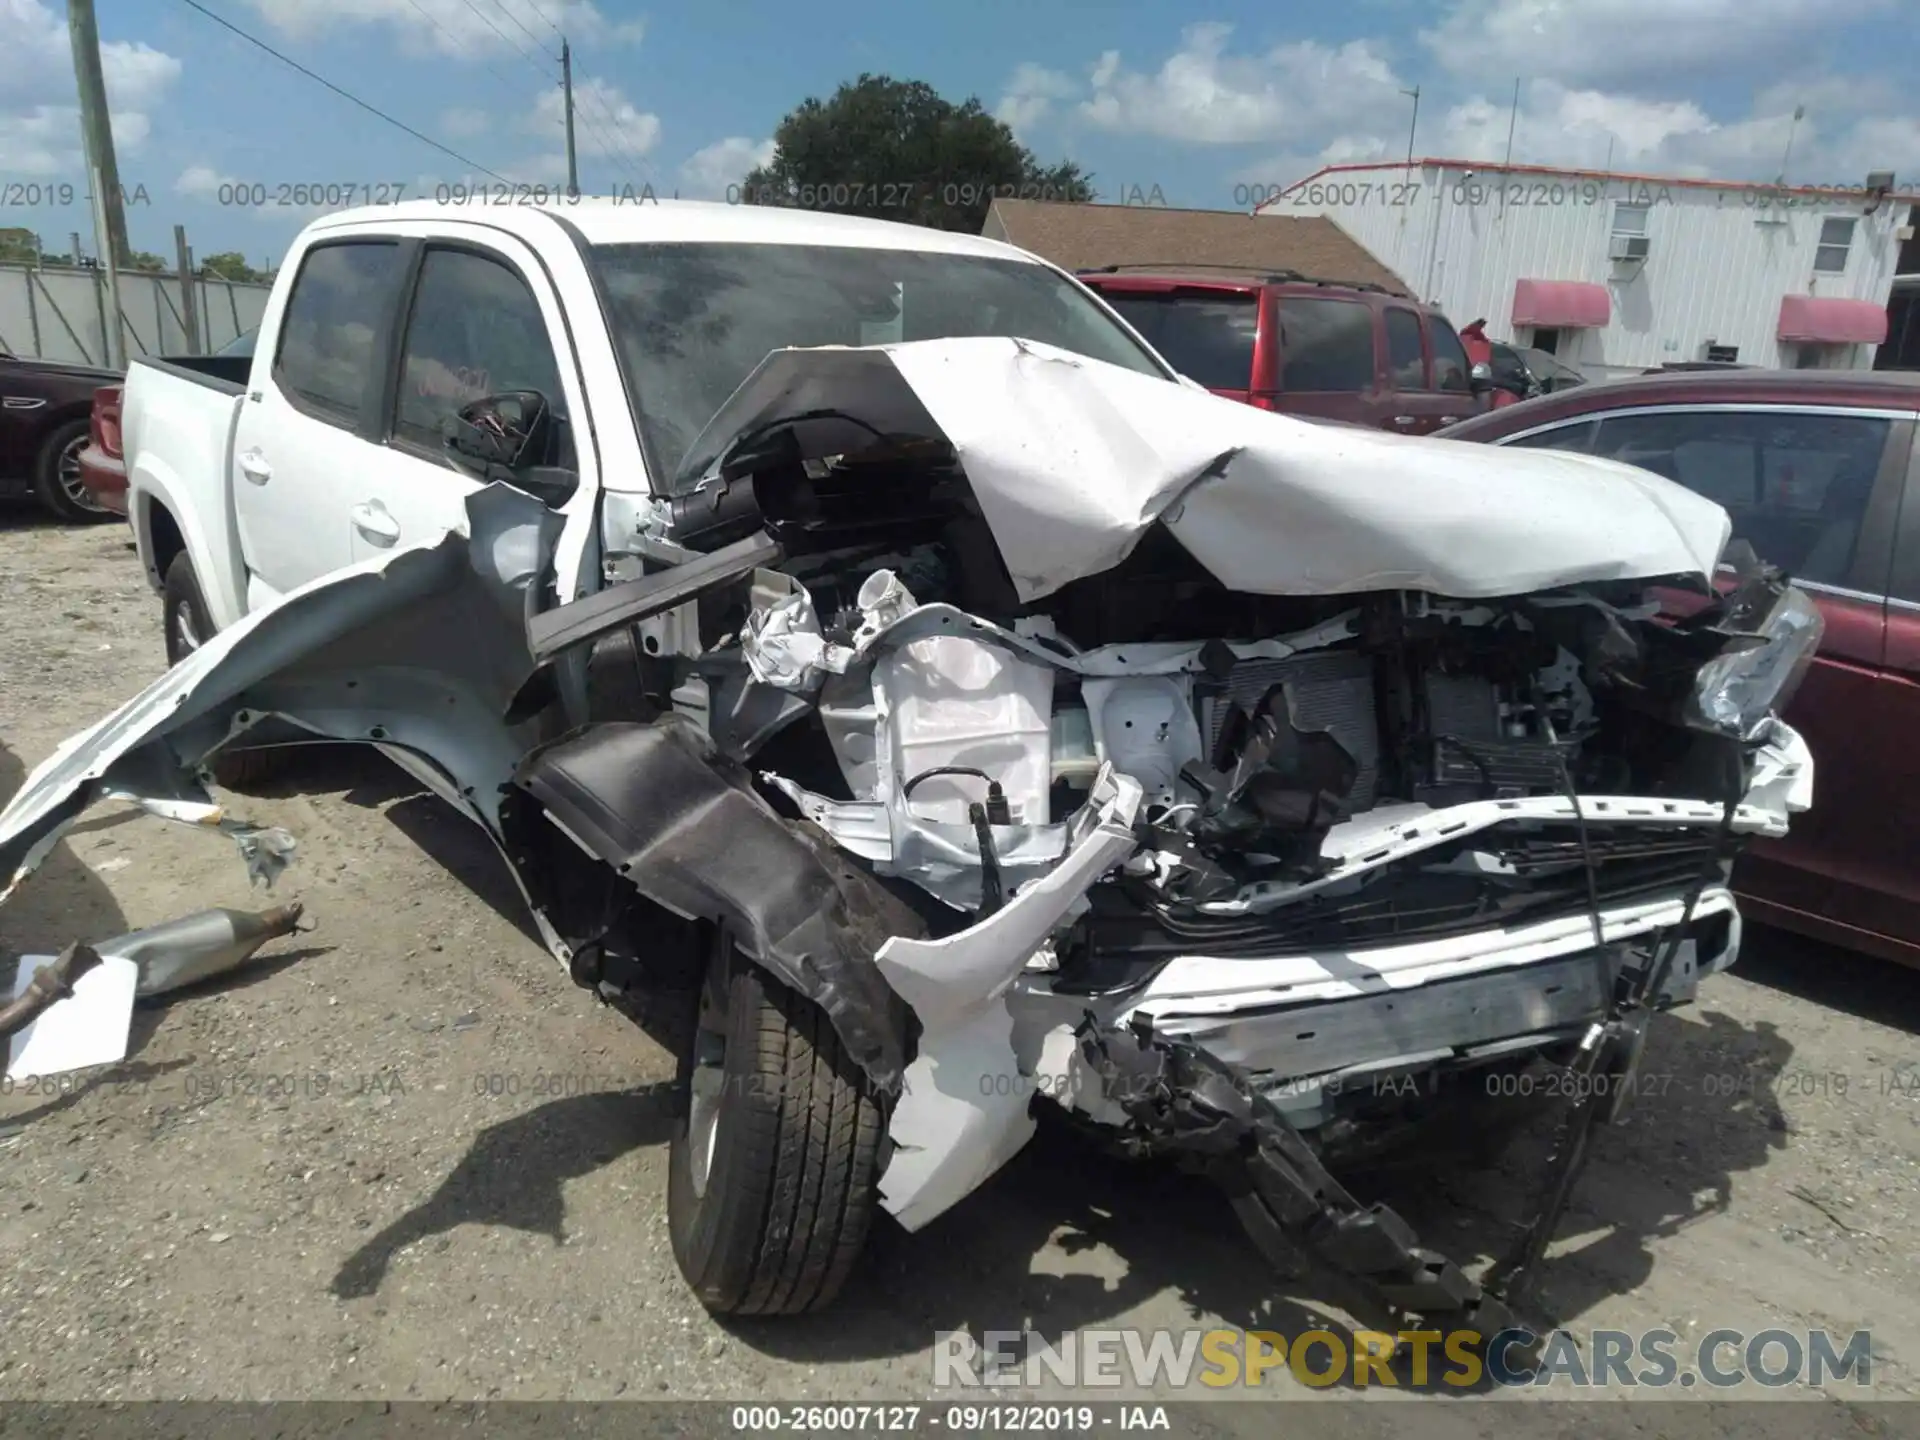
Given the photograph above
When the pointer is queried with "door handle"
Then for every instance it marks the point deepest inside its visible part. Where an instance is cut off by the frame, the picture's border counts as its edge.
(254, 466)
(372, 520)
(1448, 419)
(1403, 419)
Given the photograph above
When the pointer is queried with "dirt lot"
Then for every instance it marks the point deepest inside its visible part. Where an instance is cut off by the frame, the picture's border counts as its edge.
(405, 1157)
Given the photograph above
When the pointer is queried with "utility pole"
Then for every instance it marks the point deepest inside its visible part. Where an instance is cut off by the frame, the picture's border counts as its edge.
(97, 129)
(1413, 124)
(566, 84)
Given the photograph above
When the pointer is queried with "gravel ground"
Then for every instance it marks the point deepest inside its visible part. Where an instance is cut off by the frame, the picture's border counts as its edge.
(403, 1157)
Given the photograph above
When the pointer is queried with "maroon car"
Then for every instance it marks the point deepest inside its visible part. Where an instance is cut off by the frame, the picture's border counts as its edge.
(1819, 470)
(1314, 348)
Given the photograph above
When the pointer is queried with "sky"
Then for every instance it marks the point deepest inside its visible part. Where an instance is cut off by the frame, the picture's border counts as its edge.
(1205, 106)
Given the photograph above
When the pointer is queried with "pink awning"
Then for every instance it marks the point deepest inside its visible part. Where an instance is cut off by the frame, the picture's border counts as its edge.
(1831, 321)
(1561, 304)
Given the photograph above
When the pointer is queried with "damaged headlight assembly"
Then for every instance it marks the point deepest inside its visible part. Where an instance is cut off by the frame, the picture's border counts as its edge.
(1737, 693)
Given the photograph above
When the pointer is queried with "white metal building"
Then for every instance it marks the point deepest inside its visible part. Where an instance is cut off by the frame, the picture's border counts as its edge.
(1615, 273)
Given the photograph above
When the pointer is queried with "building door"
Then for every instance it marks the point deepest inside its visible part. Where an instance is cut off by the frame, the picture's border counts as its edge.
(1547, 340)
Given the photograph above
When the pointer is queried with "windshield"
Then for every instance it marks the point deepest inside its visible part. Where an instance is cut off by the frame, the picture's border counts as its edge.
(241, 344)
(692, 321)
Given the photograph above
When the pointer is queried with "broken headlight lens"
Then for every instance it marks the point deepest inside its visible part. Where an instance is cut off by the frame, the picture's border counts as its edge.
(1736, 692)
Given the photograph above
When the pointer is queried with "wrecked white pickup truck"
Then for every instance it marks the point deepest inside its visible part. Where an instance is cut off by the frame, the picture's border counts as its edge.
(957, 720)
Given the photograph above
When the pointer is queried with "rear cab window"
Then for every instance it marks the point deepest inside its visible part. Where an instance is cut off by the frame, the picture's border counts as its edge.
(324, 359)
(1326, 345)
(1207, 335)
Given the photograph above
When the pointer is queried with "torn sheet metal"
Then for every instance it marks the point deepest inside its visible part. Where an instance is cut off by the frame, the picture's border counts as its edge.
(964, 1109)
(659, 804)
(420, 650)
(1072, 460)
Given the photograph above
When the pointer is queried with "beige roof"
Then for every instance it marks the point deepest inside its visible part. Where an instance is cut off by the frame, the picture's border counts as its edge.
(1080, 237)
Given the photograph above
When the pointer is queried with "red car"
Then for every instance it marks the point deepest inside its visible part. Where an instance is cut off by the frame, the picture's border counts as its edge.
(1319, 349)
(103, 468)
(1819, 471)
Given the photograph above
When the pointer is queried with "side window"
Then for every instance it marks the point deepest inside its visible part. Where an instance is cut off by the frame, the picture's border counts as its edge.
(1405, 357)
(1451, 372)
(1206, 337)
(1795, 485)
(1577, 436)
(474, 329)
(1325, 345)
(325, 358)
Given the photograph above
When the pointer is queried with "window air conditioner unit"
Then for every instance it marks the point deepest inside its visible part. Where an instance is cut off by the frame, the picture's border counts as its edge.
(1629, 247)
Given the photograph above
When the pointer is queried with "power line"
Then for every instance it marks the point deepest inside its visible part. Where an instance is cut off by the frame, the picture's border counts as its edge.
(505, 38)
(453, 40)
(584, 84)
(343, 94)
(543, 16)
(501, 6)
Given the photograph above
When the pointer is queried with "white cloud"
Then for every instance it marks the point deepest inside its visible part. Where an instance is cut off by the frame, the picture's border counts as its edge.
(605, 122)
(711, 171)
(1031, 94)
(1633, 45)
(461, 124)
(39, 118)
(531, 28)
(1204, 95)
(202, 182)
(1594, 129)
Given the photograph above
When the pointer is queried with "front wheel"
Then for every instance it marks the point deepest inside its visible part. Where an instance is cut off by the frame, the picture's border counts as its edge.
(189, 626)
(56, 477)
(772, 1177)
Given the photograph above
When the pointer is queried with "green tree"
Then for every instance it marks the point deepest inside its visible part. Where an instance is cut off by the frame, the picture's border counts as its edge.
(230, 265)
(147, 260)
(896, 150)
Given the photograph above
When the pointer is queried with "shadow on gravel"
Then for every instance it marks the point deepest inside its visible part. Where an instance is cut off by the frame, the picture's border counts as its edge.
(1832, 978)
(1067, 1237)
(368, 780)
(62, 902)
(515, 1173)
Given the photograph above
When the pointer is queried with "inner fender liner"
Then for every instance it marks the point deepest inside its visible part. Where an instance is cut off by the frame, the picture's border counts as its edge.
(657, 802)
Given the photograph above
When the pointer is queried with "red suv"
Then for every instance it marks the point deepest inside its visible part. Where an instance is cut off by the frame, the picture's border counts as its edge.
(1287, 342)
(1820, 472)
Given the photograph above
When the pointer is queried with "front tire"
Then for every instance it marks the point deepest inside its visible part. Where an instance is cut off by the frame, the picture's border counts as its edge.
(189, 626)
(56, 477)
(773, 1172)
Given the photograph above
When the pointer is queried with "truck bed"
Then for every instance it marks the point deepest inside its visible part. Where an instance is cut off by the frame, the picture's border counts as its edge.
(225, 373)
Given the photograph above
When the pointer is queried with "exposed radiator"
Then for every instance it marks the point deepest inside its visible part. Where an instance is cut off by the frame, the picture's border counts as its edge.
(1331, 692)
(1468, 709)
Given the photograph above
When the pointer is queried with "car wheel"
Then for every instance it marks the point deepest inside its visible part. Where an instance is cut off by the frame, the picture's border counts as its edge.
(189, 626)
(56, 477)
(772, 1177)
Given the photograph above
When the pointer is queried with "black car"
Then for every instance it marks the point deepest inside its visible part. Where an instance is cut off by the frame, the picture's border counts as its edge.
(44, 410)
(1525, 372)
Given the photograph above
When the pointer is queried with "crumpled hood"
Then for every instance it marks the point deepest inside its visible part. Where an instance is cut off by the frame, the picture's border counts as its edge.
(1074, 459)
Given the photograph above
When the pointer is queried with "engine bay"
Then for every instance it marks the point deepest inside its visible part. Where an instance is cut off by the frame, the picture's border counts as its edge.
(949, 735)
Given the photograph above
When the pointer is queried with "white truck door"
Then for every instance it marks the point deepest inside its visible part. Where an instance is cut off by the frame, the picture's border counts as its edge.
(481, 319)
(301, 433)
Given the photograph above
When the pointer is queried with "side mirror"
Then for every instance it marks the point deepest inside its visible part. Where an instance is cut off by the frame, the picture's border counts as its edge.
(498, 432)
(509, 437)
(1480, 378)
